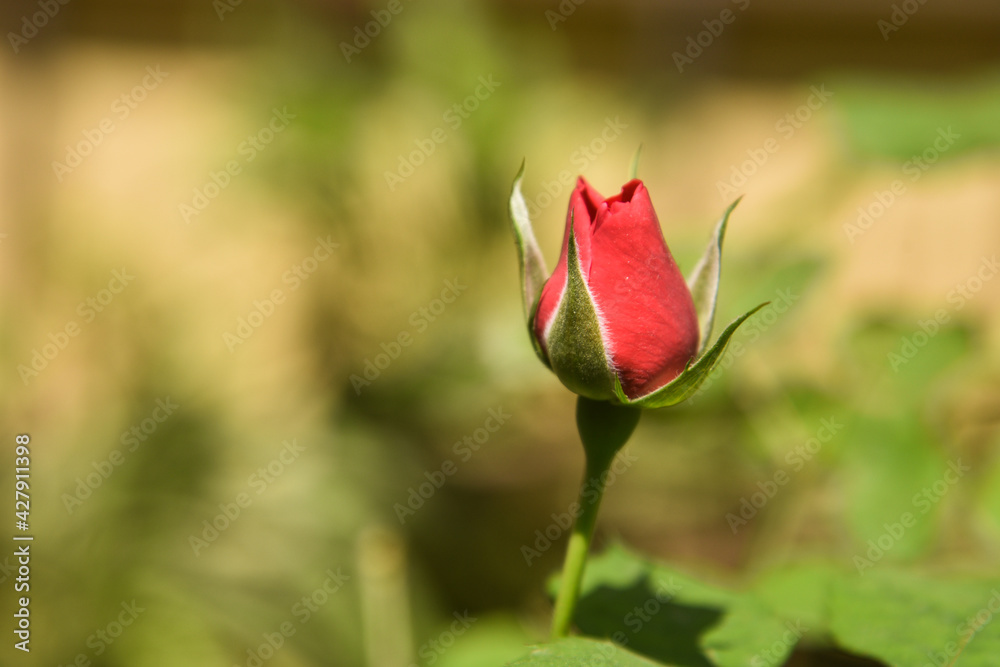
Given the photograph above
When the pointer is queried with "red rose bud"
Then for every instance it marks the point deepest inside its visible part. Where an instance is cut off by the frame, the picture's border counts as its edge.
(619, 304)
(616, 320)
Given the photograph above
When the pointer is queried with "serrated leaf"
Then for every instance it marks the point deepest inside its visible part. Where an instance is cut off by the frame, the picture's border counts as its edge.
(529, 256)
(673, 618)
(896, 616)
(686, 384)
(577, 651)
(574, 342)
(703, 283)
(907, 619)
(800, 591)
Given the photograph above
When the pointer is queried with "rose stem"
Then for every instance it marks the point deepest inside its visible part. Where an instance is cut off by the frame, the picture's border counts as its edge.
(604, 429)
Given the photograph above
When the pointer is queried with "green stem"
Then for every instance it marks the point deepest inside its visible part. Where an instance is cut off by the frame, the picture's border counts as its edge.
(591, 492)
(604, 429)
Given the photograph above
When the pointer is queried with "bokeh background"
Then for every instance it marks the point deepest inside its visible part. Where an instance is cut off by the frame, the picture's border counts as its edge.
(180, 164)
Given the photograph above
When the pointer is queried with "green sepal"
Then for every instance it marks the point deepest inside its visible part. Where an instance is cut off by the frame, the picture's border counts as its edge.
(604, 429)
(529, 256)
(574, 342)
(703, 283)
(534, 340)
(634, 169)
(686, 384)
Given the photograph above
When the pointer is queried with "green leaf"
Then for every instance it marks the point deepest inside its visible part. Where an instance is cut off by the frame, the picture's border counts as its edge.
(889, 462)
(488, 642)
(703, 283)
(904, 618)
(529, 256)
(577, 651)
(675, 619)
(687, 383)
(574, 341)
(896, 616)
(800, 591)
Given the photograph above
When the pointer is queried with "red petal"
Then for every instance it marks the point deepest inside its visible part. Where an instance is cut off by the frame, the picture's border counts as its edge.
(584, 205)
(644, 301)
